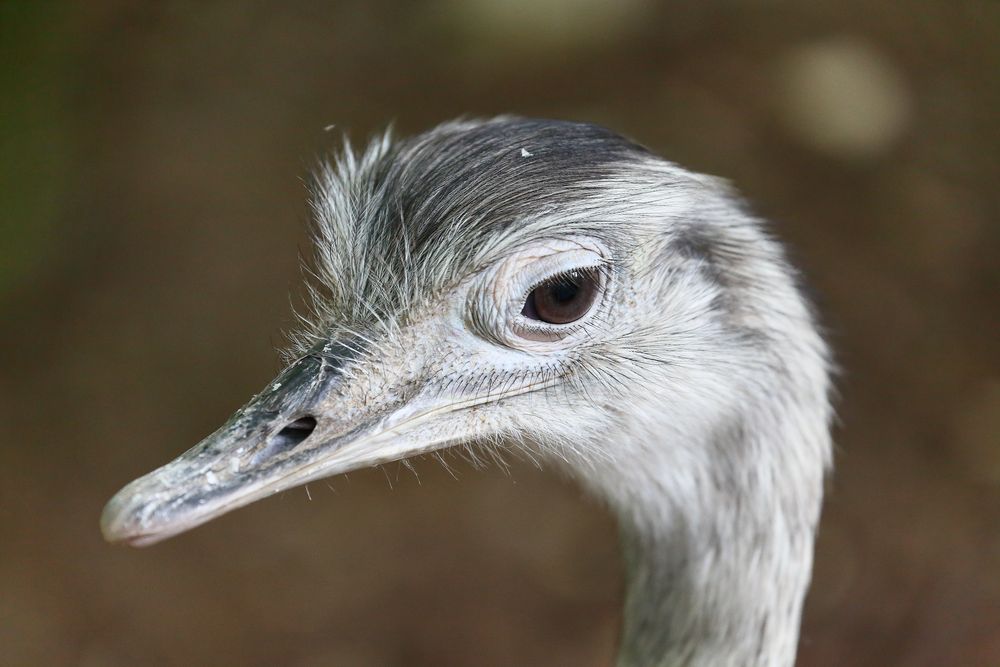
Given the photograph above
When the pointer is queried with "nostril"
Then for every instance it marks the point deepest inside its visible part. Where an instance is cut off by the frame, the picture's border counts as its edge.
(290, 436)
(296, 432)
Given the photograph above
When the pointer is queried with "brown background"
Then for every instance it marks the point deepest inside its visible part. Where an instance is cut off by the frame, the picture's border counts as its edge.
(151, 212)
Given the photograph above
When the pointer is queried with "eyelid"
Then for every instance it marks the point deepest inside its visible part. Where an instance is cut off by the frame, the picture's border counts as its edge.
(534, 270)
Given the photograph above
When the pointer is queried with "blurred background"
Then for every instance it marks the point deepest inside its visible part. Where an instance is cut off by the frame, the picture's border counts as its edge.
(152, 213)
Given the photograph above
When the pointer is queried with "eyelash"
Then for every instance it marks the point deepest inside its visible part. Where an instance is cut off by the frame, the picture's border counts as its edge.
(600, 272)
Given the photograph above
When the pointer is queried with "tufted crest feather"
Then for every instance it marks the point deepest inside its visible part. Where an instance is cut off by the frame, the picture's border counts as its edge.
(403, 219)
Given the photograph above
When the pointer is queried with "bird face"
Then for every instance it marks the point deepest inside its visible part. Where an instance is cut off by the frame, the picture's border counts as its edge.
(487, 362)
(476, 295)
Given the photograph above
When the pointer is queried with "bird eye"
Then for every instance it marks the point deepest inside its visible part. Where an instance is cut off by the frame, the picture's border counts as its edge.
(563, 298)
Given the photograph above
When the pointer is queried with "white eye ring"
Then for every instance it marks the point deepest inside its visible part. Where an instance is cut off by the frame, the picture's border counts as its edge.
(496, 306)
(579, 268)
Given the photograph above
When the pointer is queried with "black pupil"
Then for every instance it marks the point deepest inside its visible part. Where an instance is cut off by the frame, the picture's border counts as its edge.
(564, 290)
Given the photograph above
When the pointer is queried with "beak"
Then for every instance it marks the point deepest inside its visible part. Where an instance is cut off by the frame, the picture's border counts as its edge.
(302, 427)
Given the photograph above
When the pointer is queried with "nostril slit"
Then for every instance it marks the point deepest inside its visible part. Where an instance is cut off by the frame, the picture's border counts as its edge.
(290, 436)
(297, 431)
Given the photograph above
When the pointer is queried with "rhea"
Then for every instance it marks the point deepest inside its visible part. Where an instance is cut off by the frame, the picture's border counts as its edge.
(554, 289)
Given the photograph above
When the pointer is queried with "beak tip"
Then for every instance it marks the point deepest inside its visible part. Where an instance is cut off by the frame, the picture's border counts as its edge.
(112, 521)
(118, 521)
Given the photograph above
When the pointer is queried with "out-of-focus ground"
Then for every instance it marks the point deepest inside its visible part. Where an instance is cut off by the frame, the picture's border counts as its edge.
(151, 214)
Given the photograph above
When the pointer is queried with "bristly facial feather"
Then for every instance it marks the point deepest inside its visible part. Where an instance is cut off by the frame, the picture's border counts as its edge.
(401, 220)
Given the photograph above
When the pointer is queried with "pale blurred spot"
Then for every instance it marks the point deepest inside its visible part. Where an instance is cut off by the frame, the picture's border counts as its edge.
(532, 27)
(977, 433)
(843, 98)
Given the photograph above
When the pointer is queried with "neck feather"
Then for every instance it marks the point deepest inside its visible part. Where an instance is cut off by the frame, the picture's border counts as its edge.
(718, 557)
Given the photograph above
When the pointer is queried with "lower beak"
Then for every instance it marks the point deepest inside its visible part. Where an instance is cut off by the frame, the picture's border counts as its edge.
(290, 434)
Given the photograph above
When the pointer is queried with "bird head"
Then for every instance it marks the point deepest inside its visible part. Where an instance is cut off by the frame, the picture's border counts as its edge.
(511, 284)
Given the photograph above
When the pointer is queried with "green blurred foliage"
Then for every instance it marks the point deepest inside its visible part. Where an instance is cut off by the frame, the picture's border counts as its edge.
(35, 136)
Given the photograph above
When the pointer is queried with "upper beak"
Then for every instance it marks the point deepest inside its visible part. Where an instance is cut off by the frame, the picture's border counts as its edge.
(300, 428)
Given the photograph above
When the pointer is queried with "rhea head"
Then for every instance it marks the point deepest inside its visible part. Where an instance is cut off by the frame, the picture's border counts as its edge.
(554, 289)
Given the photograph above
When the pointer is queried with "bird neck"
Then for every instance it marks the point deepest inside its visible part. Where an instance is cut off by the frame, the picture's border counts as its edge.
(718, 542)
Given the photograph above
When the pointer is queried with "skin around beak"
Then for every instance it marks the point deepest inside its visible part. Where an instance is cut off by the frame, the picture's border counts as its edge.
(302, 427)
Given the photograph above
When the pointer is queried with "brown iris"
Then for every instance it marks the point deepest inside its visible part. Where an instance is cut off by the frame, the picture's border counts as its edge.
(562, 299)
